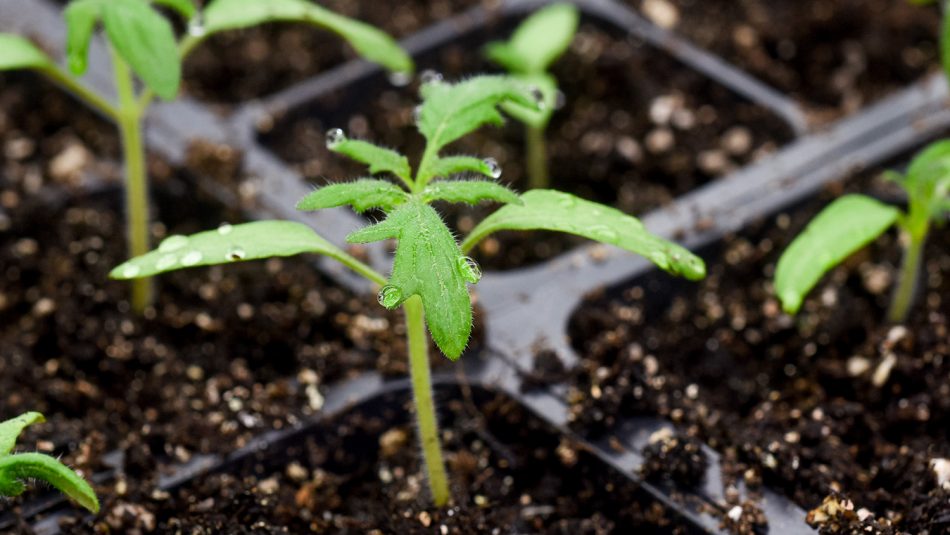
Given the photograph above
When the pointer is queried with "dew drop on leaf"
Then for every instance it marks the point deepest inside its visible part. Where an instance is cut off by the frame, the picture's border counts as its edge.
(429, 76)
(236, 253)
(417, 113)
(493, 168)
(192, 258)
(566, 201)
(225, 228)
(603, 232)
(166, 261)
(196, 26)
(469, 269)
(538, 97)
(389, 296)
(400, 78)
(173, 243)
(130, 271)
(335, 136)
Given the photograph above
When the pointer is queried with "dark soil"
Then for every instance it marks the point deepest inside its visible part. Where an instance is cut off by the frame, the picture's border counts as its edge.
(236, 66)
(788, 400)
(833, 56)
(509, 472)
(637, 129)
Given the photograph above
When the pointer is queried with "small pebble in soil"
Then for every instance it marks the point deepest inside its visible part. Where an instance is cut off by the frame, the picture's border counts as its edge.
(676, 457)
(662, 13)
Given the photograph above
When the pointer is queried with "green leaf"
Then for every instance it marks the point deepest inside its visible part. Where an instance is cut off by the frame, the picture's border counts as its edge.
(468, 191)
(928, 179)
(537, 41)
(449, 111)
(362, 195)
(843, 227)
(368, 41)
(562, 212)
(429, 264)
(18, 53)
(146, 41)
(226, 245)
(379, 159)
(11, 429)
(533, 116)
(185, 8)
(453, 165)
(25, 466)
(81, 17)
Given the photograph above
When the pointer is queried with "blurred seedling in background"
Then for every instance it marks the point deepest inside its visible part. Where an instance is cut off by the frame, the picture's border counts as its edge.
(537, 43)
(142, 42)
(16, 469)
(852, 221)
(430, 271)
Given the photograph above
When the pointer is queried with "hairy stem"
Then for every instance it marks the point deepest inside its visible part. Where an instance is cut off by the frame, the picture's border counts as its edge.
(910, 270)
(425, 407)
(136, 187)
(537, 157)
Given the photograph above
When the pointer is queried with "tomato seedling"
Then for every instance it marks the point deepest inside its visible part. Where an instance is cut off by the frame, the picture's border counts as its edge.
(16, 468)
(431, 271)
(537, 43)
(143, 42)
(852, 221)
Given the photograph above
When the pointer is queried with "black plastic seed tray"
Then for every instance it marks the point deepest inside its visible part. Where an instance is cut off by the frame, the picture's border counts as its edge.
(527, 308)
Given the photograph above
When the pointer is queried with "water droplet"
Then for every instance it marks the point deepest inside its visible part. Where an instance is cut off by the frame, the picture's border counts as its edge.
(196, 26)
(417, 113)
(389, 296)
(173, 243)
(560, 99)
(335, 136)
(225, 228)
(192, 258)
(429, 76)
(566, 201)
(130, 271)
(166, 262)
(603, 233)
(538, 97)
(494, 170)
(469, 269)
(236, 253)
(400, 78)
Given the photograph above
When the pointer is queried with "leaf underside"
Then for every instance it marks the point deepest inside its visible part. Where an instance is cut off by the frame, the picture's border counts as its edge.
(18, 53)
(379, 159)
(228, 244)
(368, 41)
(561, 212)
(363, 194)
(428, 263)
(843, 227)
(14, 469)
(11, 429)
(468, 191)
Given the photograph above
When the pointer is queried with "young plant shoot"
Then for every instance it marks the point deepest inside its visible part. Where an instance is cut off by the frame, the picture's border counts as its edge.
(142, 42)
(18, 468)
(431, 271)
(534, 46)
(853, 221)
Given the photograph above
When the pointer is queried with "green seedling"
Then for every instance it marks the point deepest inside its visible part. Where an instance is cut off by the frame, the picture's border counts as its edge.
(431, 271)
(142, 42)
(853, 221)
(18, 468)
(537, 42)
